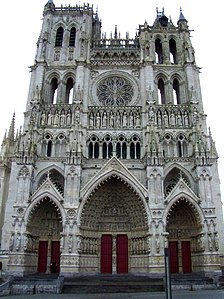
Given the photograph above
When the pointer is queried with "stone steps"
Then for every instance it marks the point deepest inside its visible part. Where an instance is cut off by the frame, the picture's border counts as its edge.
(191, 282)
(112, 284)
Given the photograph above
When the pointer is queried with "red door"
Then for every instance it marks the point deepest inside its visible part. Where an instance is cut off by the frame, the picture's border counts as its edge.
(55, 256)
(186, 256)
(122, 254)
(106, 254)
(173, 250)
(42, 256)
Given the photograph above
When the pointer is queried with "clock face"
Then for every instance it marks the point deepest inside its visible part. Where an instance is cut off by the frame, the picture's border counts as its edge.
(115, 91)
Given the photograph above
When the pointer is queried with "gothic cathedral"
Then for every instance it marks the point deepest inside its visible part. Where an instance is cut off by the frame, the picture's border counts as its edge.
(114, 162)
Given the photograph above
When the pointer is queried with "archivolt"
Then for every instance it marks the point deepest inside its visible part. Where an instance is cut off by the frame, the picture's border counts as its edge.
(37, 203)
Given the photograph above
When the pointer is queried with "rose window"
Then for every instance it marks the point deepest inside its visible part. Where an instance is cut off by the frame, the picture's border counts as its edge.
(115, 91)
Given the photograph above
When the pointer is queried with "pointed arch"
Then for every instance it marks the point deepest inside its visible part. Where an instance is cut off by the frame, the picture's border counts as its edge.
(172, 175)
(72, 37)
(159, 50)
(37, 202)
(127, 178)
(173, 51)
(185, 201)
(59, 36)
(42, 175)
(69, 91)
(113, 199)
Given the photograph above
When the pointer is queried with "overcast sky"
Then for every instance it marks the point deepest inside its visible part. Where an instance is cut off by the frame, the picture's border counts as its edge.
(21, 22)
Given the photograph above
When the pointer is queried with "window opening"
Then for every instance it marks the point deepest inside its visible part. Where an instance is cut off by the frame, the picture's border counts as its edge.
(69, 91)
(90, 150)
(59, 37)
(138, 150)
(176, 92)
(49, 148)
(96, 150)
(173, 51)
(118, 150)
(124, 150)
(161, 92)
(159, 51)
(72, 37)
(54, 90)
(132, 150)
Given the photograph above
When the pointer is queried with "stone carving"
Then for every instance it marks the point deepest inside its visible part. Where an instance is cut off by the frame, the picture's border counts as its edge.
(115, 91)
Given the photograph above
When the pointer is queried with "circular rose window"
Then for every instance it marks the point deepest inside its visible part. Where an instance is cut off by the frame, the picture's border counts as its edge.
(115, 91)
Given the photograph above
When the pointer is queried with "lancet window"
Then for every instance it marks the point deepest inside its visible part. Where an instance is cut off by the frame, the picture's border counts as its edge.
(47, 145)
(94, 147)
(176, 92)
(59, 37)
(181, 146)
(60, 145)
(72, 37)
(159, 51)
(161, 92)
(69, 91)
(107, 147)
(53, 91)
(173, 51)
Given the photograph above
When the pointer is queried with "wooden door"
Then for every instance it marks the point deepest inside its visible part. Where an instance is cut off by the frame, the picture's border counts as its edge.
(173, 251)
(55, 256)
(42, 256)
(122, 254)
(186, 256)
(106, 254)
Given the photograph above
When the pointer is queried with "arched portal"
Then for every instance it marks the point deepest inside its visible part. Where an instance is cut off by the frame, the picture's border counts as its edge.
(44, 226)
(185, 236)
(114, 226)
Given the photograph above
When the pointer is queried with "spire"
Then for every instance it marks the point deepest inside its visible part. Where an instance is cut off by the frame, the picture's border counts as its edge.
(49, 5)
(182, 22)
(181, 17)
(11, 133)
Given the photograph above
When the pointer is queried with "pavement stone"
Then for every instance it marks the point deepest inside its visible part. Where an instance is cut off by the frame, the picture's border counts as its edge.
(200, 294)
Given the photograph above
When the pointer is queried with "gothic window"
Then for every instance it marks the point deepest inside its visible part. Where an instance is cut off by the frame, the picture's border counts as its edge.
(54, 91)
(90, 147)
(176, 92)
(159, 51)
(172, 179)
(69, 91)
(93, 148)
(59, 37)
(173, 51)
(60, 146)
(168, 146)
(121, 148)
(72, 37)
(161, 92)
(57, 179)
(181, 146)
(115, 91)
(107, 147)
(47, 145)
(135, 148)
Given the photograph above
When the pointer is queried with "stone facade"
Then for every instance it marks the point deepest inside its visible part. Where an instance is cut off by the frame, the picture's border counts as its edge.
(114, 162)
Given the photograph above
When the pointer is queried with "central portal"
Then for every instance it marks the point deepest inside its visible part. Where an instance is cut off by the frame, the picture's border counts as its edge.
(118, 251)
(113, 226)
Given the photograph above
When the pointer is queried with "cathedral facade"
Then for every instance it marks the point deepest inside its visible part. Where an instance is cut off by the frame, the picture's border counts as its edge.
(115, 161)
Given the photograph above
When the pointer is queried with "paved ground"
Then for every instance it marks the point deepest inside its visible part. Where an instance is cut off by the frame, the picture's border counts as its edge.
(209, 294)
